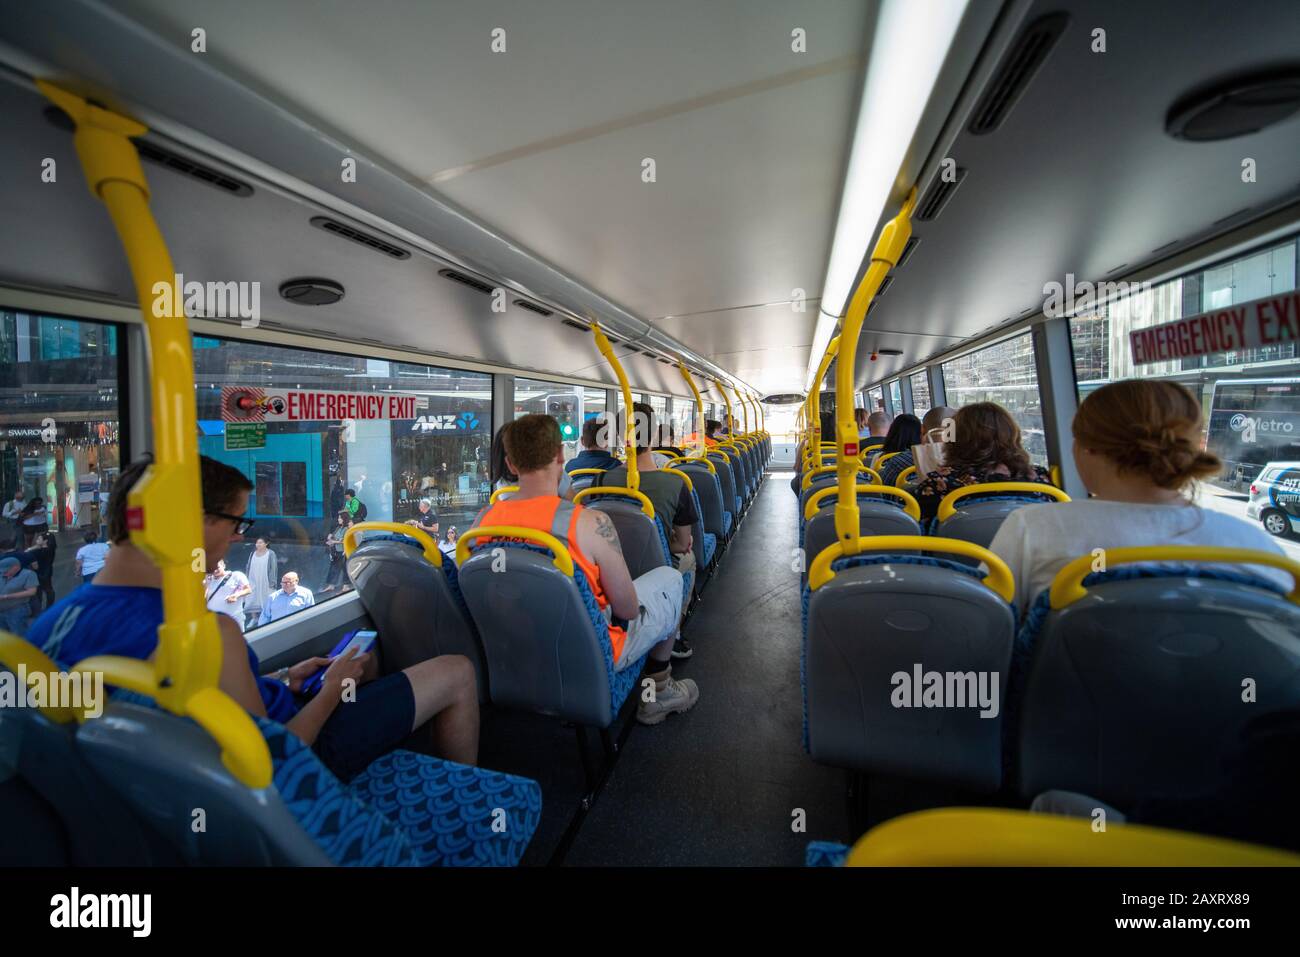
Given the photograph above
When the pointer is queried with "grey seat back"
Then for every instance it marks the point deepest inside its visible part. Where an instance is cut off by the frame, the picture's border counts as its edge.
(978, 522)
(874, 622)
(102, 829)
(1135, 690)
(709, 490)
(166, 767)
(828, 480)
(580, 482)
(413, 607)
(874, 518)
(538, 637)
(727, 479)
(638, 534)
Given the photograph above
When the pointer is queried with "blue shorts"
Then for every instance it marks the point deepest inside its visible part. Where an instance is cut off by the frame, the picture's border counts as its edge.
(360, 731)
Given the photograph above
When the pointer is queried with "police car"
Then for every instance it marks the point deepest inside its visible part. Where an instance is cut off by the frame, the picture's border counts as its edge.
(1275, 498)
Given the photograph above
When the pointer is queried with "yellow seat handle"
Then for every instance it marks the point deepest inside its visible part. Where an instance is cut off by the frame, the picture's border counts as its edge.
(16, 653)
(690, 486)
(695, 459)
(431, 552)
(910, 505)
(999, 579)
(904, 475)
(646, 506)
(577, 472)
(986, 837)
(562, 560)
(497, 493)
(948, 507)
(884, 457)
(812, 474)
(1067, 586)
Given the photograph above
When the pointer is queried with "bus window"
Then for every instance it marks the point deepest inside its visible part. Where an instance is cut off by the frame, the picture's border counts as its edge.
(571, 405)
(394, 434)
(920, 394)
(1252, 423)
(1003, 373)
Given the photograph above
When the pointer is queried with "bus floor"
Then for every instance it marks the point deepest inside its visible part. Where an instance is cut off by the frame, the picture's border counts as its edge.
(728, 782)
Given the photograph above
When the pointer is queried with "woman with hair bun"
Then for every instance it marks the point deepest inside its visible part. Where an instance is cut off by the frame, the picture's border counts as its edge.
(1137, 449)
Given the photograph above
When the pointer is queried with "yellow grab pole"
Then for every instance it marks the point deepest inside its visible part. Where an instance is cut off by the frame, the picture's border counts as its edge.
(815, 401)
(164, 510)
(744, 409)
(699, 408)
(888, 248)
(726, 399)
(629, 431)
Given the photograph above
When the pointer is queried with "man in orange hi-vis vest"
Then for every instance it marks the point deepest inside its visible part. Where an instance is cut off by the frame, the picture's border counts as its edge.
(644, 614)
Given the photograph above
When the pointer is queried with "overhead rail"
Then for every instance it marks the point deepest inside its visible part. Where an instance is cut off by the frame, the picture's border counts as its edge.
(164, 511)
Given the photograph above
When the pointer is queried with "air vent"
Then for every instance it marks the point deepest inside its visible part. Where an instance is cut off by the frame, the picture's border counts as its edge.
(311, 292)
(357, 236)
(188, 167)
(668, 362)
(574, 324)
(466, 280)
(883, 286)
(534, 307)
(1015, 72)
(908, 248)
(937, 196)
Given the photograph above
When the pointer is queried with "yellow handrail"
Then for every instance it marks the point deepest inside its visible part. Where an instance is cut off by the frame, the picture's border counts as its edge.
(988, 837)
(901, 481)
(629, 424)
(700, 459)
(1067, 586)
(812, 474)
(646, 505)
(888, 248)
(910, 505)
(882, 458)
(425, 540)
(15, 654)
(699, 406)
(948, 507)
(503, 490)
(999, 579)
(690, 486)
(814, 400)
(727, 401)
(163, 509)
(561, 560)
(576, 472)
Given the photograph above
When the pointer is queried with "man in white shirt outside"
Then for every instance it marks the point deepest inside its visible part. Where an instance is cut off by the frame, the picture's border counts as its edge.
(14, 507)
(288, 600)
(90, 556)
(226, 592)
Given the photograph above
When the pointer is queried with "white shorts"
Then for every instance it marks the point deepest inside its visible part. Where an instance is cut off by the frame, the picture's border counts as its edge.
(659, 593)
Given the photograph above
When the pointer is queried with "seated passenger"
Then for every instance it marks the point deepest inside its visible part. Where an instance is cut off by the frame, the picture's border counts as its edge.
(501, 474)
(904, 432)
(644, 614)
(18, 586)
(1137, 449)
(876, 429)
(931, 431)
(712, 432)
(986, 448)
(666, 440)
(120, 611)
(673, 503)
(595, 447)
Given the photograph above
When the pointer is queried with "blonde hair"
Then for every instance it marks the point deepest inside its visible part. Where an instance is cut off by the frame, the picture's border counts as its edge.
(1149, 428)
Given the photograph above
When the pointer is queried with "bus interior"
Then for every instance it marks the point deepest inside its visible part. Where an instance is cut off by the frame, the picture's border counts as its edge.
(339, 247)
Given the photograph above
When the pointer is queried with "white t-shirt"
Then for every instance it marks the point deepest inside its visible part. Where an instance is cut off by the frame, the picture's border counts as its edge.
(92, 557)
(234, 581)
(1037, 541)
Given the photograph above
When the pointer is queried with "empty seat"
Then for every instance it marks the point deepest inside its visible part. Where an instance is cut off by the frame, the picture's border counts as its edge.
(829, 480)
(1128, 683)
(730, 496)
(879, 623)
(411, 593)
(708, 488)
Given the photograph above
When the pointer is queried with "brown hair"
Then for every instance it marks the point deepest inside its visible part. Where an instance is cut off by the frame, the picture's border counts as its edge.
(220, 483)
(532, 442)
(1147, 427)
(986, 437)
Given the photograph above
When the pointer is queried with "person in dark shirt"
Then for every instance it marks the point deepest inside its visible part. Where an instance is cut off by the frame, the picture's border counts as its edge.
(427, 518)
(673, 503)
(42, 551)
(594, 454)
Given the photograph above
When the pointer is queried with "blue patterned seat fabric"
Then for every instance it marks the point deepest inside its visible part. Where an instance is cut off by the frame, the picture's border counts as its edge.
(404, 810)
(1031, 626)
(854, 561)
(622, 682)
(825, 854)
(726, 523)
(710, 546)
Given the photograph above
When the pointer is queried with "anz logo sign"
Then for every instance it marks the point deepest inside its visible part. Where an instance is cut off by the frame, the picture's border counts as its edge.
(463, 422)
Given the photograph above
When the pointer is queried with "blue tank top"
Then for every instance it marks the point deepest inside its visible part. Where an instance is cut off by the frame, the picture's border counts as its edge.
(123, 620)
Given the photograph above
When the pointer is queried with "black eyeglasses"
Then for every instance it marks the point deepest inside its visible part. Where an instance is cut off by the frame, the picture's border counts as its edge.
(242, 525)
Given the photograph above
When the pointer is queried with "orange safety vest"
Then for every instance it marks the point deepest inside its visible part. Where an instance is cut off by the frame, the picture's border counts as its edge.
(559, 517)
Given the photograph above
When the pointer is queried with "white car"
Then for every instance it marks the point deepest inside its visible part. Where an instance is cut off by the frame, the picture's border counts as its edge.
(1275, 498)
